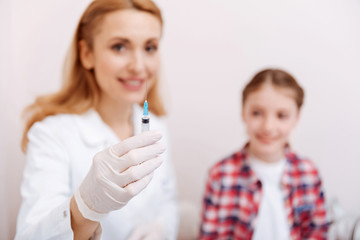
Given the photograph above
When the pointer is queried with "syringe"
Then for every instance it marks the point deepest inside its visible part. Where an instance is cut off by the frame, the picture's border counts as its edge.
(145, 120)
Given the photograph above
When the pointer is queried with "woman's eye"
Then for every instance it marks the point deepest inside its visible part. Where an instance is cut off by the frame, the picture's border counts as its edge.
(151, 48)
(118, 47)
(256, 113)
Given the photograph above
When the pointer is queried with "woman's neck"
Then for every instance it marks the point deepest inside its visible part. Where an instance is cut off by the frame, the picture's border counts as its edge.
(117, 115)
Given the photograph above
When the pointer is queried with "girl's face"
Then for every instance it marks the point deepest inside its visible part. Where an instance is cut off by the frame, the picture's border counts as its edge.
(270, 114)
(124, 55)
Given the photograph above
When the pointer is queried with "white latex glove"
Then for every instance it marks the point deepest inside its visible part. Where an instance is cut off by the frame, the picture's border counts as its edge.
(154, 230)
(119, 173)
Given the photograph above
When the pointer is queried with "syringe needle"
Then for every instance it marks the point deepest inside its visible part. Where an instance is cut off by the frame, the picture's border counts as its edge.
(145, 89)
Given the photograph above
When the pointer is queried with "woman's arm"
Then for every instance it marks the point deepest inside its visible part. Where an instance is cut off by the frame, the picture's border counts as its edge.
(45, 188)
(114, 178)
(48, 209)
(83, 228)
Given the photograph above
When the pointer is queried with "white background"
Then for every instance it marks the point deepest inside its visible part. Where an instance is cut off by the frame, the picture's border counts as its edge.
(211, 48)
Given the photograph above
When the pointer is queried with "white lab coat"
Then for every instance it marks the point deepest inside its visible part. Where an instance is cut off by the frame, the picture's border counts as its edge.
(59, 155)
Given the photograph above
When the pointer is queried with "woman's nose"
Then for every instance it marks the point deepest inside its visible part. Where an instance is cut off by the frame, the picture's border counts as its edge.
(136, 62)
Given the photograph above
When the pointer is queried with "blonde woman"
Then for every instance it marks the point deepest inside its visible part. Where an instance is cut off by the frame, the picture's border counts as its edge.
(89, 172)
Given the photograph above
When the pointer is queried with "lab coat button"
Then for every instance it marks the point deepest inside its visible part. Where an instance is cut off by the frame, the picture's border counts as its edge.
(65, 214)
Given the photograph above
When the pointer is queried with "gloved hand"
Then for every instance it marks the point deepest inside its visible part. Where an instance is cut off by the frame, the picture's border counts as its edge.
(119, 173)
(154, 230)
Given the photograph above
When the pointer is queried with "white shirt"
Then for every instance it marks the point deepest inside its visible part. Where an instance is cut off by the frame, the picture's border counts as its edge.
(59, 155)
(271, 221)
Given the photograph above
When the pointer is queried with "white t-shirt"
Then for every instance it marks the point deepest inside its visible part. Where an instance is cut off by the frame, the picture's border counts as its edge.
(271, 222)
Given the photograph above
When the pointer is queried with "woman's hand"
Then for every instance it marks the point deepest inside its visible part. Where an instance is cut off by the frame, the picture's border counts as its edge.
(118, 174)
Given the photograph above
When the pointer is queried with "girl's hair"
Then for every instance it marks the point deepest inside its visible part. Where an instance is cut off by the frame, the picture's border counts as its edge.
(278, 78)
(80, 92)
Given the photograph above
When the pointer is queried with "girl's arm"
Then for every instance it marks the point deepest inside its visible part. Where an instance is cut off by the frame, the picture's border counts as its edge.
(318, 224)
(208, 226)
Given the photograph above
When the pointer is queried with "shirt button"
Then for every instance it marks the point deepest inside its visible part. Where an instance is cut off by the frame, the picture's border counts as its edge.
(65, 214)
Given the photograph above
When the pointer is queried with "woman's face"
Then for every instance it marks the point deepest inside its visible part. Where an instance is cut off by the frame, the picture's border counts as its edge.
(125, 55)
(270, 114)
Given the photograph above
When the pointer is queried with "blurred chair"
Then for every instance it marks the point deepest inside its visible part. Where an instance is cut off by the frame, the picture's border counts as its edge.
(345, 226)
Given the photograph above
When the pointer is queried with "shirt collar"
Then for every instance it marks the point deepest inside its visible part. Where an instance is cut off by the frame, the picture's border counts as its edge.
(291, 172)
(250, 179)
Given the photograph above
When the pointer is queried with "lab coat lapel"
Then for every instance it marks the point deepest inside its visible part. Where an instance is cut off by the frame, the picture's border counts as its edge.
(95, 132)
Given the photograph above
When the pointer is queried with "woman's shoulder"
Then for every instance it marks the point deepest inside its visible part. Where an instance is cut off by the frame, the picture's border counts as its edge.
(59, 127)
(53, 132)
(58, 122)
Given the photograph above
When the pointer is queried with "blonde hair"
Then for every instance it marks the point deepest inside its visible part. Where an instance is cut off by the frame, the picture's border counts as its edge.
(80, 91)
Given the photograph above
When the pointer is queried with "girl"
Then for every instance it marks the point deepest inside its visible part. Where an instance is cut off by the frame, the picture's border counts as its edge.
(85, 175)
(265, 191)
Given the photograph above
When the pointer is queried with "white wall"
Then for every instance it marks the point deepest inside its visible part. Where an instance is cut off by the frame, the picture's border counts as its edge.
(36, 43)
(211, 48)
(5, 22)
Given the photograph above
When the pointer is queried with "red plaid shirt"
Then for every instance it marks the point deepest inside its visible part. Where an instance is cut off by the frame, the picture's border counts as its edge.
(233, 194)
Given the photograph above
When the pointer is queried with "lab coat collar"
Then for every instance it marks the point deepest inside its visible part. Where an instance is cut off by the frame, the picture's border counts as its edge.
(94, 131)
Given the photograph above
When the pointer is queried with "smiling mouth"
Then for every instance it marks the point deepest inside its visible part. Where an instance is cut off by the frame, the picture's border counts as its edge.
(132, 84)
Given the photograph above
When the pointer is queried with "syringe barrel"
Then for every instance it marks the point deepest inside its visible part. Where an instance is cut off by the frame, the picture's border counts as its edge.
(145, 123)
